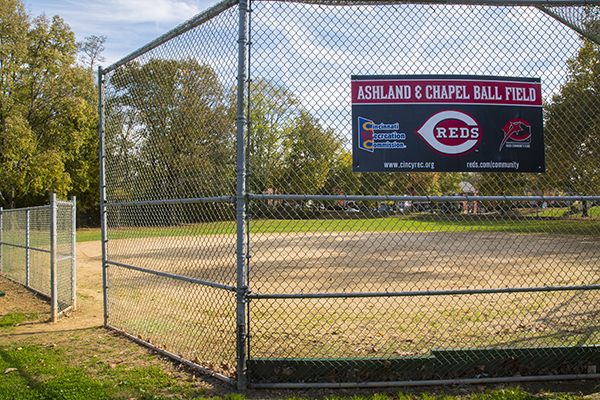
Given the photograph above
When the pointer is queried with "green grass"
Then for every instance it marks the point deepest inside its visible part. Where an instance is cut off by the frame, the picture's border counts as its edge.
(550, 221)
(413, 224)
(430, 224)
(559, 212)
(594, 212)
(518, 394)
(11, 320)
(36, 372)
(88, 235)
(423, 223)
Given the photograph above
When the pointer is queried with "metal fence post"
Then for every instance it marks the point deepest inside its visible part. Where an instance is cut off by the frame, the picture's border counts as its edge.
(241, 200)
(73, 252)
(27, 252)
(102, 191)
(1, 214)
(53, 261)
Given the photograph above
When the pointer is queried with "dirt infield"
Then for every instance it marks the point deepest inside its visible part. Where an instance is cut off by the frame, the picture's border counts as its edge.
(338, 262)
(161, 309)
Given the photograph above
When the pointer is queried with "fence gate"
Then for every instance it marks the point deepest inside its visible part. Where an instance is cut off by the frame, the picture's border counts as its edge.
(239, 239)
(37, 250)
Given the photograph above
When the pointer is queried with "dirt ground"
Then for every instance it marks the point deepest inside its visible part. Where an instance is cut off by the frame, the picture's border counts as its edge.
(81, 332)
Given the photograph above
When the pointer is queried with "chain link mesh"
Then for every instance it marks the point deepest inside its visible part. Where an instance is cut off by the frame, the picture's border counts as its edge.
(14, 231)
(347, 283)
(308, 52)
(64, 255)
(26, 250)
(582, 19)
(170, 134)
(40, 264)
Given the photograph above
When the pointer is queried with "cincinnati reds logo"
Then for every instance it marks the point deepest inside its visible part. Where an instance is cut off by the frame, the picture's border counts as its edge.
(517, 130)
(451, 133)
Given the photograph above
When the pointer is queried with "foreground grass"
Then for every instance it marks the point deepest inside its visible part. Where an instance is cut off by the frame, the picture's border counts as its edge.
(52, 372)
(95, 364)
(36, 372)
(44, 373)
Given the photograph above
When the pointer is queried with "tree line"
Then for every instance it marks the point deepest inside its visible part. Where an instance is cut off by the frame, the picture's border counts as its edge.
(171, 128)
(48, 112)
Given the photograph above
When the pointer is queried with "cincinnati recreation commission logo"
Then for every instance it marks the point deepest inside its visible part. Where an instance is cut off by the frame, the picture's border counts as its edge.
(373, 136)
(517, 134)
(451, 133)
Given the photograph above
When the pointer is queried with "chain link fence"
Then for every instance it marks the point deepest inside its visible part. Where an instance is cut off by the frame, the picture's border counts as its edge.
(37, 250)
(238, 239)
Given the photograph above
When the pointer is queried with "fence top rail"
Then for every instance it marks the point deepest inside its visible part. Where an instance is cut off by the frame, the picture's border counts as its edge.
(178, 30)
(24, 209)
(550, 3)
(421, 198)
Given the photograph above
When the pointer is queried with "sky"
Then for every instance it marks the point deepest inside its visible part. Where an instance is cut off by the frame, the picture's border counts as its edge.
(127, 24)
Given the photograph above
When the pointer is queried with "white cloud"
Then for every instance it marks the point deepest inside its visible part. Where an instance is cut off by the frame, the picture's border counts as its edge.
(135, 11)
(127, 24)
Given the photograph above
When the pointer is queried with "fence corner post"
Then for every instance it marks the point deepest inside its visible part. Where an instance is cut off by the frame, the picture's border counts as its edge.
(241, 331)
(103, 211)
(1, 214)
(53, 261)
(73, 252)
(27, 251)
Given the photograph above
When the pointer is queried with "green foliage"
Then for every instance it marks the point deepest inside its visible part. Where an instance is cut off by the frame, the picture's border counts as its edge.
(273, 110)
(341, 179)
(505, 183)
(36, 372)
(48, 120)
(572, 129)
(308, 149)
(173, 131)
(91, 51)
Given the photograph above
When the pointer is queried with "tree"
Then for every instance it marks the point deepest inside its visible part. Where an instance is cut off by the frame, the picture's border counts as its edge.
(170, 132)
(448, 183)
(572, 129)
(90, 51)
(505, 184)
(308, 151)
(273, 111)
(341, 179)
(46, 114)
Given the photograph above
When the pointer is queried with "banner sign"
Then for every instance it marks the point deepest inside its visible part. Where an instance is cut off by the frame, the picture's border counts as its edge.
(447, 123)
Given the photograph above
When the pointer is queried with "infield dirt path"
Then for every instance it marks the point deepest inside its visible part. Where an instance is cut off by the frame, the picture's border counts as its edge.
(89, 297)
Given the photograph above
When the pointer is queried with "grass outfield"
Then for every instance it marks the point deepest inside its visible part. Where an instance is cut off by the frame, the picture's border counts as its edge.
(547, 221)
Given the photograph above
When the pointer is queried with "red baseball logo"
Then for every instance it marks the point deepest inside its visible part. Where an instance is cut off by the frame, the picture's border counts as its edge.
(451, 132)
